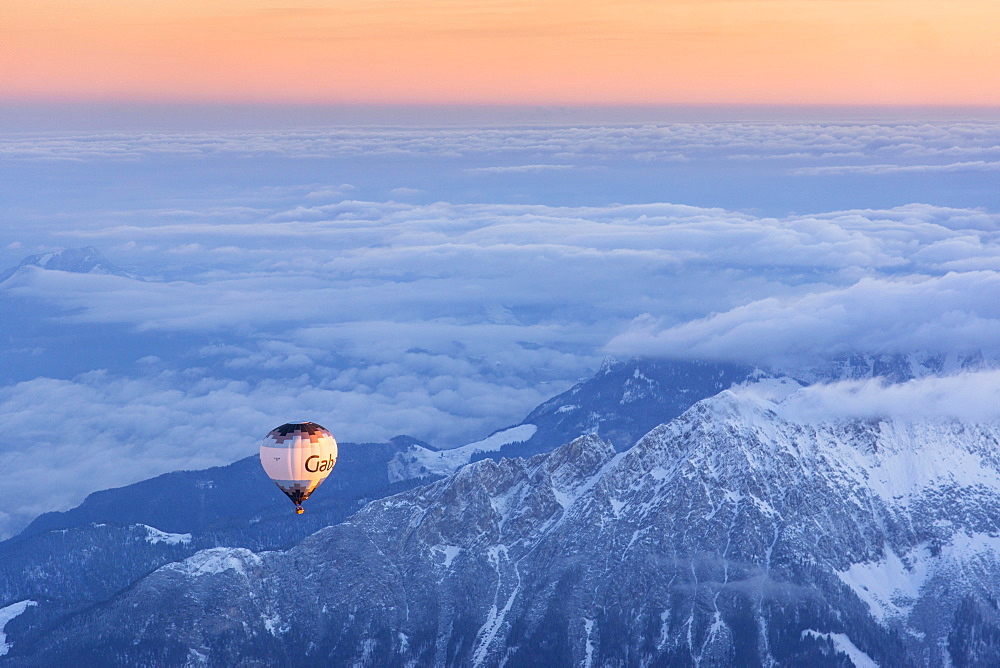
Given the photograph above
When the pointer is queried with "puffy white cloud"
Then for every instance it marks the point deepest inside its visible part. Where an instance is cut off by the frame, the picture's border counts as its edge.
(333, 192)
(969, 397)
(406, 192)
(954, 312)
(968, 166)
(517, 169)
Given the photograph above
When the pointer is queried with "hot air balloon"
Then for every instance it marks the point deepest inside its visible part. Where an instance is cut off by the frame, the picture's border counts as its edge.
(298, 456)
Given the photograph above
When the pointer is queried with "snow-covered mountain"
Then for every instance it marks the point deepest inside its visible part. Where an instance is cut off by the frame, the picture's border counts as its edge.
(627, 398)
(73, 559)
(623, 401)
(234, 502)
(225, 505)
(744, 532)
(87, 260)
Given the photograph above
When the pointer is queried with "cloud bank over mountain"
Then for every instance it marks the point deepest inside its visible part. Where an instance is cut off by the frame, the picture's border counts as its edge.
(971, 397)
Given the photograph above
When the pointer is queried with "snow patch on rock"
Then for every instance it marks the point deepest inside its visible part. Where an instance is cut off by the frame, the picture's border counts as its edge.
(449, 552)
(588, 625)
(7, 614)
(217, 560)
(841, 643)
(890, 586)
(275, 625)
(156, 536)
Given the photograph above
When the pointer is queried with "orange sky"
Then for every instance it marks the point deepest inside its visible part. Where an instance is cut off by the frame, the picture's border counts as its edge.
(503, 51)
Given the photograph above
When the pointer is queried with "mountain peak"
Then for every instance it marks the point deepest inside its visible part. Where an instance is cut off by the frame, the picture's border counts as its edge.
(575, 467)
(86, 260)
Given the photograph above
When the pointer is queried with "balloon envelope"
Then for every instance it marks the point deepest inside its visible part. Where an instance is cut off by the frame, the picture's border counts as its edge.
(298, 456)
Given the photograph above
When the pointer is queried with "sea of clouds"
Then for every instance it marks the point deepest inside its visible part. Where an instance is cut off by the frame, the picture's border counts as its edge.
(441, 282)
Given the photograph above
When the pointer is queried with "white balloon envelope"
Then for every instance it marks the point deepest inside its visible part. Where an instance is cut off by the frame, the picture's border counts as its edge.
(298, 456)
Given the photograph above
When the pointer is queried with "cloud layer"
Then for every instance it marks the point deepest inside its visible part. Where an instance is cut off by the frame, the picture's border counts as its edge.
(443, 282)
(655, 279)
(862, 142)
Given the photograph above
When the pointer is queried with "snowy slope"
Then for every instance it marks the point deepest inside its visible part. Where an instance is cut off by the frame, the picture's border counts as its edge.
(6, 615)
(420, 462)
(747, 531)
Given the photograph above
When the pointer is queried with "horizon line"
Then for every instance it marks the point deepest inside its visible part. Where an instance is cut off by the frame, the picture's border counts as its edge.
(80, 115)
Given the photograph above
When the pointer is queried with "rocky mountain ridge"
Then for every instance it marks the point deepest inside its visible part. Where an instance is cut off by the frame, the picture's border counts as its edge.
(740, 533)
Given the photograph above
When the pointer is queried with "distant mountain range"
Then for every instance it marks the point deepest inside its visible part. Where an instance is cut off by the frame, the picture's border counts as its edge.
(659, 513)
